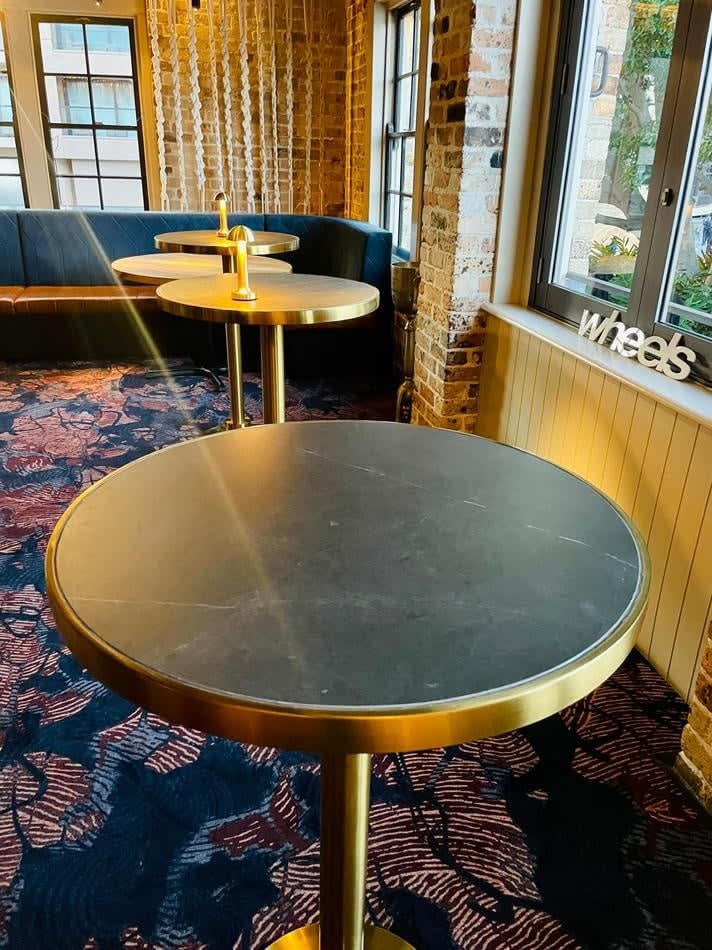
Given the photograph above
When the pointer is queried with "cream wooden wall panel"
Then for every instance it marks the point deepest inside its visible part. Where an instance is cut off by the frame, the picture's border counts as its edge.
(663, 528)
(525, 409)
(602, 429)
(638, 436)
(679, 565)
(654, 462)
(538, 397)
(618, 442)
(551, 395)
(587, 422)
(561, 412)
(524, 341)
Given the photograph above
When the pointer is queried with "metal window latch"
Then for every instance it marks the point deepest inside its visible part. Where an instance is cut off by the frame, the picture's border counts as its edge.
(667, 197)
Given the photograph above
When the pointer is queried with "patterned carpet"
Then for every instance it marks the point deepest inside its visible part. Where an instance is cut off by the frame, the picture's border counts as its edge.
(120, 831)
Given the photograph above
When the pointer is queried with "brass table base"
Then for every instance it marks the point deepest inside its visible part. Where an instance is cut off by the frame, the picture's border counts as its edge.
(307, 938)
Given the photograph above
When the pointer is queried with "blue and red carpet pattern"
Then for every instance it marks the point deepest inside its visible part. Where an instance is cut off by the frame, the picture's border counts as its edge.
(118, 830)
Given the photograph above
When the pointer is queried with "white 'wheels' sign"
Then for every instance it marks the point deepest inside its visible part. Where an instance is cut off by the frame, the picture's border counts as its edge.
(665, 356)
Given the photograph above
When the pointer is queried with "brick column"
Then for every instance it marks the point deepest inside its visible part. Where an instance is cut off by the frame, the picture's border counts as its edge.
(472, 56)
(694, 763)
(358, 38)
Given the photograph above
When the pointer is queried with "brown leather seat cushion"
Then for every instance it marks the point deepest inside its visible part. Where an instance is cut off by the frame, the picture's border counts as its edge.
(8, 296)
(86, 301)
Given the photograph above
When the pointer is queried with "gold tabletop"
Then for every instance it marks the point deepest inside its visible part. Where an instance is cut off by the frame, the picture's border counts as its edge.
(282, 299)
(160, 268)
(208, 242)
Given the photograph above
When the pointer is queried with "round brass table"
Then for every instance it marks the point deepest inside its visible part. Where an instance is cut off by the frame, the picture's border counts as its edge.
(209, 242)
(347, 588)
(159, 268)
(282, 300)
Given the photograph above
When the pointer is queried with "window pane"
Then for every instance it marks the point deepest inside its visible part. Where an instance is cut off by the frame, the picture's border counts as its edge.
(392, 217)
(409, 163)
(406, 24)
(690, 305)
(68, 100)
(9, 166)
(119, 157)
(5, 99)
(109, 49)
(11, 193)
(403, 94)
(62, 48)
(73, 151)
(622, 81)
(78, 193)
(122, 193)
(113, 102)
(395, 151)
(406, 223)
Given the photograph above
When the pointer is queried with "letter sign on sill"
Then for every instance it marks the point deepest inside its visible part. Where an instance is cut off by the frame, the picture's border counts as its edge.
(666, 356)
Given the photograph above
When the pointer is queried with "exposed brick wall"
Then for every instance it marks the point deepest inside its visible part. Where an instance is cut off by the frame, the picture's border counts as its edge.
(325, 36)
(472, 53)
(694, 763)
(358, 39)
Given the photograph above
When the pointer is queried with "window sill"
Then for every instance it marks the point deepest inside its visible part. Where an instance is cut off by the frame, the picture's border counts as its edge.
(688, 398)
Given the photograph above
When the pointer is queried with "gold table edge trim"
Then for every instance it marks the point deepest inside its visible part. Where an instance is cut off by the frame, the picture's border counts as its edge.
(256, 247)
(318, 730)
(270, 317)
(307, 938)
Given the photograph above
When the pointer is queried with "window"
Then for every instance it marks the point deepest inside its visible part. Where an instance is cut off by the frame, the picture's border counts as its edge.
(626, 217)
(12, 186)
(90, 112)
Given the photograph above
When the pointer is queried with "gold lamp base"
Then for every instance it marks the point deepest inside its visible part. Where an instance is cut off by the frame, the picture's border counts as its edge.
(244, 294)
(307, 938)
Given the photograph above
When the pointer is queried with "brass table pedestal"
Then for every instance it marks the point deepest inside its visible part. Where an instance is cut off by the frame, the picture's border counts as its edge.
(345, 796)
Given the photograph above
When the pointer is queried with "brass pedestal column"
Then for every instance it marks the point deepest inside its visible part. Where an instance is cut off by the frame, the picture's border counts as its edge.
(238, 418)
(345, 797)
(272, 358)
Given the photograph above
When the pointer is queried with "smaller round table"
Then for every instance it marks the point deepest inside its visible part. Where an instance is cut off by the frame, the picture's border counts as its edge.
(282, 300)
(209, 242)
(159, 268)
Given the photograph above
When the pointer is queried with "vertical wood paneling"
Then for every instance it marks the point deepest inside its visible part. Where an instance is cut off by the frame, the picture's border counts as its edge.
(663, 528)
(654, 462)
(551, 396)
(638, 436)
(695, 496)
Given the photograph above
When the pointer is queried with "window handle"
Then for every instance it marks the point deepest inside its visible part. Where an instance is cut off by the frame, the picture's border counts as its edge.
(667, 197)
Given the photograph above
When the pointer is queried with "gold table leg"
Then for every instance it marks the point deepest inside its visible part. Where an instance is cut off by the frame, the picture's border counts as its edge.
(238, 419)
(272, 357)
(345, 795)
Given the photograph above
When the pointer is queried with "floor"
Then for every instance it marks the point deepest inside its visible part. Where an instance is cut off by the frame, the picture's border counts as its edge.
(118, 830)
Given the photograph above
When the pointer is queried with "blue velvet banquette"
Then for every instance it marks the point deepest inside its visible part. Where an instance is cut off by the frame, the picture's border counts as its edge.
(60, 299)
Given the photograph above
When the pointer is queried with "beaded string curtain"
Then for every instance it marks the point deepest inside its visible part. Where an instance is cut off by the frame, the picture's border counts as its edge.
(259, 85)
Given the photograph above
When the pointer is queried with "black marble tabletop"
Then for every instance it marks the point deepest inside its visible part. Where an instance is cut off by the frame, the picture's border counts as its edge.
(347, 564)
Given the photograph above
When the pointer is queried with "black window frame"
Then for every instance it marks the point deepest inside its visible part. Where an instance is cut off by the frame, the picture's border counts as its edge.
(392, 133)
(12, 124)
(689, 75)
(49, 125)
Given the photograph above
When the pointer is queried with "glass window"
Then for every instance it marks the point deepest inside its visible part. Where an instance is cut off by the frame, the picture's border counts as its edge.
(626, 215)
(12, 186)
(90, 112)
(401, 129)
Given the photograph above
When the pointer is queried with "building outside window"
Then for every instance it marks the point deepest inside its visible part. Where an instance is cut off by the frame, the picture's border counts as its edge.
(12, 186)
(626, 217)
(90, 112)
